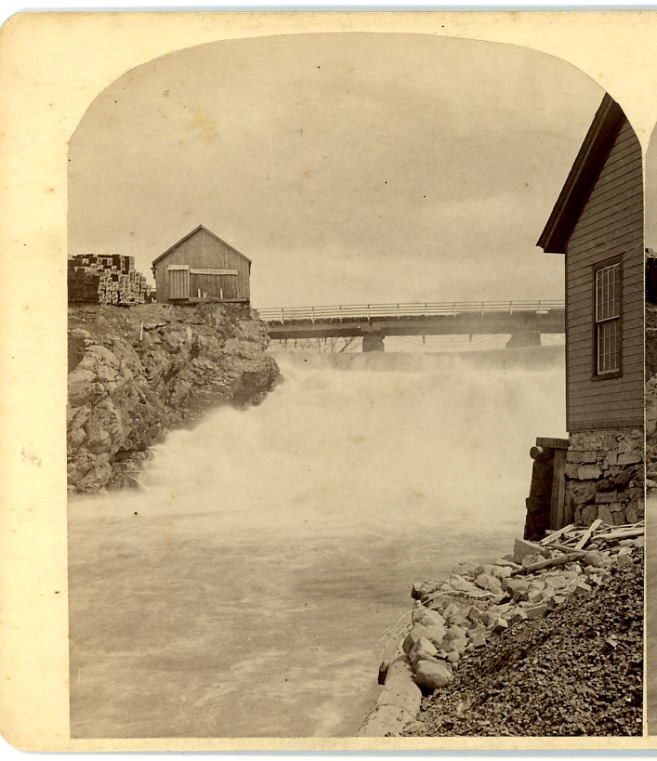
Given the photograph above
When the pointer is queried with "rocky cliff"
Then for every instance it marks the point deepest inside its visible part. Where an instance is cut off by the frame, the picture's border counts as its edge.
(136, 373)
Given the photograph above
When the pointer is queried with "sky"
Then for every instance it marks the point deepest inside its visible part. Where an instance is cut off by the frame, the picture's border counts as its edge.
(350, 168)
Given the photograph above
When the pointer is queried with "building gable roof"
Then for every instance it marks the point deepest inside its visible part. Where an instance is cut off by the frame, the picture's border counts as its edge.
(196, 230)
(582, 176)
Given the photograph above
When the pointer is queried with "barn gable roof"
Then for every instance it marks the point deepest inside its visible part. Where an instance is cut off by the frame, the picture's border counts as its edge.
(196, 230)
(582, 176)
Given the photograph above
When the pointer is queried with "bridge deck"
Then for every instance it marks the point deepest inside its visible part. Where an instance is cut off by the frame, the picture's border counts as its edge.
(443, 318)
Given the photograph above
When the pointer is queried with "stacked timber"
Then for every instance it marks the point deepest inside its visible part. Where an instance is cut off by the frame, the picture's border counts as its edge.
(597, 536)
(108, 279)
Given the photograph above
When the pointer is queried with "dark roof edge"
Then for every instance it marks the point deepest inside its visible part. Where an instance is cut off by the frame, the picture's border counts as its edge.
(189, 235)
(583, 173)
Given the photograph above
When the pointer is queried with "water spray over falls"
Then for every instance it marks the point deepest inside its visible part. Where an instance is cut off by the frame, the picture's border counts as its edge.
(289, 535)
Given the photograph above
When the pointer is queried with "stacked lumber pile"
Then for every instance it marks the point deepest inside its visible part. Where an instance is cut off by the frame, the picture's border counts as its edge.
(597, 536)
(108, 279)
(475, 603)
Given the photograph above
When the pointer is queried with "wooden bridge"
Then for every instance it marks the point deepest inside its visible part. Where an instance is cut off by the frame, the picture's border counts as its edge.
(525, 321)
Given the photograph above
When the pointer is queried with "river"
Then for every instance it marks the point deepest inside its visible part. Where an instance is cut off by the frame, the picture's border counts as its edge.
(246, 590)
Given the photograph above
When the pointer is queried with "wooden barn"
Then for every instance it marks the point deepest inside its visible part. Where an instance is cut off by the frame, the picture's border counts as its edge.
(597, 224)
(202, 267)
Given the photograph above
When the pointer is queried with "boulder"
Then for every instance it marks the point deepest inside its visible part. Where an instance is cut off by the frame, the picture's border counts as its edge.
(522, 548)
(397, 705)
(500, 625)
(455, 632)
(499, 571)
(462, 621)
(434, 634)
(431, 618)
(460, 583)
(517, 588)
(530, 560)
(81, 389)
(80, 334)
(489, 583)
(423, 588)
(594, 559)
(536, 591)
(474, 614)
(418, 611)
(579, 588)
(477, 637)
(536, 611)
(515, 615)
(488, 618)
(456, 645)
(421, 650)
(452, 610)
(433, 674)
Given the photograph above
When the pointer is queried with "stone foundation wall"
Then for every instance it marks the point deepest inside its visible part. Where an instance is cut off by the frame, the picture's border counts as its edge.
(605, 476)
(651, 426)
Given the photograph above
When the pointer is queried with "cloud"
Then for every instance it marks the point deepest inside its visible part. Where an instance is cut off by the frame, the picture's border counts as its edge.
(347, 167)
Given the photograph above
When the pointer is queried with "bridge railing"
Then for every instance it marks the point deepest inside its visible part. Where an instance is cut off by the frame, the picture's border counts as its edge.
(402, 311)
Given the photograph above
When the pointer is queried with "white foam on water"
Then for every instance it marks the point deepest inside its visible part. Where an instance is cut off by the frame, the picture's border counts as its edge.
(436, 443)
(245, 590)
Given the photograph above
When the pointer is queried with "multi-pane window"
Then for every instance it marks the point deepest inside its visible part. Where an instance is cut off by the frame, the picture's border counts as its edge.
(607, 319)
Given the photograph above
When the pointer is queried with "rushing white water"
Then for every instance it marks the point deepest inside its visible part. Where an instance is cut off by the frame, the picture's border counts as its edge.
(245, 590)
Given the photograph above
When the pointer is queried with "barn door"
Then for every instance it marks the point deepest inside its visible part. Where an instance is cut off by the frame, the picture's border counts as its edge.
(228, 286)
(178, 276)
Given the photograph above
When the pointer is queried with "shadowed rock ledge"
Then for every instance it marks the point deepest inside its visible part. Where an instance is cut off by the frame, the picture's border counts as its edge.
(136, 373)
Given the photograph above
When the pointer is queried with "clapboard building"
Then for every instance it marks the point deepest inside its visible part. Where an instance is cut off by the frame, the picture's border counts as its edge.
(597, 224)
(202, 267)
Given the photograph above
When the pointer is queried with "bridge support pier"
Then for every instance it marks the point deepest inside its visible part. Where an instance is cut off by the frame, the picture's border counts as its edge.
(373, 342)
(522, 338)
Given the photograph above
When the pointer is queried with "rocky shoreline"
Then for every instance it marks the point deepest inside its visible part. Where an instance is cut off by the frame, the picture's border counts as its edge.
(136, 373)
(547, 641)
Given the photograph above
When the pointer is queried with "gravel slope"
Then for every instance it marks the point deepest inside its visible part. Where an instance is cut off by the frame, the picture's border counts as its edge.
(578, 671)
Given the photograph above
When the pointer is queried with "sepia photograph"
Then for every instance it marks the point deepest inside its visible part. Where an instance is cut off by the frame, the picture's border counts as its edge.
(329, 382)
(355, 395)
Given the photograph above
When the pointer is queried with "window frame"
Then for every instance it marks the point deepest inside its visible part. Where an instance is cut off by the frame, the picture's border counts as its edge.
(615, 261)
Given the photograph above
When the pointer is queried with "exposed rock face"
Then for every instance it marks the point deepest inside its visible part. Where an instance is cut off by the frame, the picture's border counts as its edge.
(138, 372)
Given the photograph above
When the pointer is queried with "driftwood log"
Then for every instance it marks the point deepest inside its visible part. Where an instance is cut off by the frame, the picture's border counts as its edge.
(570, 557)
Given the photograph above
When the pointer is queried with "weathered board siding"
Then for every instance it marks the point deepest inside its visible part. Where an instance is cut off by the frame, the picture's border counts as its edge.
(611, 224)
(204, 251)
